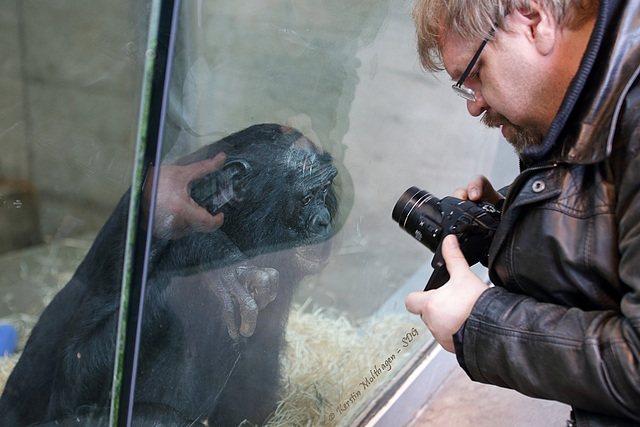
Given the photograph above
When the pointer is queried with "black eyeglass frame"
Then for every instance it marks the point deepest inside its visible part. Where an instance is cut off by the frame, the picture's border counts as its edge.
(459, 88)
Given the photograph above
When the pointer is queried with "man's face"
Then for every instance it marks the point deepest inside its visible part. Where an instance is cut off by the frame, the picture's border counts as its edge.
(509, 83)
(520, 137)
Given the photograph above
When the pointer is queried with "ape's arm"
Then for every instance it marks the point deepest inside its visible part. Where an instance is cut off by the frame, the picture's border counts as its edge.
(242, 288)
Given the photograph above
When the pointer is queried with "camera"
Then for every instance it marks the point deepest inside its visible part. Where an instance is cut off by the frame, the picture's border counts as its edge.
(429, 220)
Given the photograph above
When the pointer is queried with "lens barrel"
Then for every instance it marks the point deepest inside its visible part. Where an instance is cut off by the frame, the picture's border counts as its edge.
(418, 213)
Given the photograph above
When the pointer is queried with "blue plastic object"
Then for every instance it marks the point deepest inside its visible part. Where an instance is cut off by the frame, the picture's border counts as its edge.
(8, 339)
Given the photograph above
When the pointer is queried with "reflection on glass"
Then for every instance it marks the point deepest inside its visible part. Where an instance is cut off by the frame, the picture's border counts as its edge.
(277, 277)
(245, 324)
(218, 301)
(249, 334)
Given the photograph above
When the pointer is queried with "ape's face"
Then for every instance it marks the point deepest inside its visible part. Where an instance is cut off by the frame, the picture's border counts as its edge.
(282, 196)
(310, 210)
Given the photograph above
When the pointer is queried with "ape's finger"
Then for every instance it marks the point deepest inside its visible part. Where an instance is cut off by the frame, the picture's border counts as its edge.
(249, 315)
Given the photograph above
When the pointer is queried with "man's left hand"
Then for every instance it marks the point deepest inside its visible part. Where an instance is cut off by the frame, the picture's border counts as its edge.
(444, 310)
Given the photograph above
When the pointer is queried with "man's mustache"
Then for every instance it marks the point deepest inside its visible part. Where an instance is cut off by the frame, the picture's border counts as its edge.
(495, 120)
(521, 139)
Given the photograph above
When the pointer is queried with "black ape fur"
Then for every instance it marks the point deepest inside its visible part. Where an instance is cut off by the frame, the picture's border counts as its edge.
(276, 193)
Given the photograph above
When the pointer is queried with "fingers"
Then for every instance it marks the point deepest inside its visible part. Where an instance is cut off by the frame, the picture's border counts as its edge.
(415, 302)
(227, 287)
(199, 169)
(444, 310)
(453, 256)
(460, 193)
(194, 216)
(248, 313)
(229, 314)
(477, 188)
(243, 291)
(263, 285)
(456, 263)
(427, 306)
(480, 188)
(198, 219)
(254, 289)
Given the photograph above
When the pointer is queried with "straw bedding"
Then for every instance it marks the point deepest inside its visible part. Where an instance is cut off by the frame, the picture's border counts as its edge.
(331, 366)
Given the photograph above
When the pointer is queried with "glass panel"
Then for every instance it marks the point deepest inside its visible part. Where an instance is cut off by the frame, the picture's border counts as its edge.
(71, 84)
(325, 119)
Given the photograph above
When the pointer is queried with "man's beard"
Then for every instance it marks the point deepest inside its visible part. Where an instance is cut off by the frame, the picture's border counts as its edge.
(522, 137)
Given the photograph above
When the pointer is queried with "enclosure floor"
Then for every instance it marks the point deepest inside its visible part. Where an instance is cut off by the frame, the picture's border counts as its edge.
(461, 402)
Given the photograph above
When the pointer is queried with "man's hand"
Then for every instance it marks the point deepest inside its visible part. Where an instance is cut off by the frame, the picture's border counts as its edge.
(176, 213)
(478, 188)
(444, 310)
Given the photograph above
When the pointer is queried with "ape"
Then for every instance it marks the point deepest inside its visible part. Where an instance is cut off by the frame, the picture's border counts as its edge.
(276, 193)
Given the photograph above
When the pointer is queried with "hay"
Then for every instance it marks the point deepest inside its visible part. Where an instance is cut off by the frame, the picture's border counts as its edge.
(328, 361)
(7, 364)
(325, 366)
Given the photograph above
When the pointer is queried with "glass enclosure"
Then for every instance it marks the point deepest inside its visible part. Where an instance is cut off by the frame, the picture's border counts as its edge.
(287, 311)
(70, 80)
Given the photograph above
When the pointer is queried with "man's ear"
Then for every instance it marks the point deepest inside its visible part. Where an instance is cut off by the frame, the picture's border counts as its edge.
(540, 26)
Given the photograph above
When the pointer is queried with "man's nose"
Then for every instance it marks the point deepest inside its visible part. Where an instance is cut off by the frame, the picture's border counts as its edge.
(478, 106)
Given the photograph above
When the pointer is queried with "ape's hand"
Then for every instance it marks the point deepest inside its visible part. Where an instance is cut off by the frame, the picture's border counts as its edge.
(244, 288)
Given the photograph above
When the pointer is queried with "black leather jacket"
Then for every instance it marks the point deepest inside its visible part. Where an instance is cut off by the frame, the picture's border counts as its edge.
(563, 321)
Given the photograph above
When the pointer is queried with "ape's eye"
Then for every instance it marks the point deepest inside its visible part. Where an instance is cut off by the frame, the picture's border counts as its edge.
(325, 187)
(306, 199)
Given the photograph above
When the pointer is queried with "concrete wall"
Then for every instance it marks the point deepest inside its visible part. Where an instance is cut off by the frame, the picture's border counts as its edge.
(68, 114)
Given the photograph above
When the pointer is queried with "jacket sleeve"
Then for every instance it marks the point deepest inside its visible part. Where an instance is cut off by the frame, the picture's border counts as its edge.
(588, 359)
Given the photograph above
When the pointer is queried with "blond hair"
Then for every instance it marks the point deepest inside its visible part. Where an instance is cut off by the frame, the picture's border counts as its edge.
(474, 19)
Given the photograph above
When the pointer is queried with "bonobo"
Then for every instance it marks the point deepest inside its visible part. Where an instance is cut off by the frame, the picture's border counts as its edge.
(216, 303)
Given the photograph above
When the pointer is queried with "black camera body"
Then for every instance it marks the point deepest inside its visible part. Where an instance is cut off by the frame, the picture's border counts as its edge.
(429, 220)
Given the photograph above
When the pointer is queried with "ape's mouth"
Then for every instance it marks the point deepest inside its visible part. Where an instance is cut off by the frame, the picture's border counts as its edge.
(313, 258)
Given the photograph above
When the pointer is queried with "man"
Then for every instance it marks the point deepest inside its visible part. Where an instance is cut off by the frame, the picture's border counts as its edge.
(563, 320)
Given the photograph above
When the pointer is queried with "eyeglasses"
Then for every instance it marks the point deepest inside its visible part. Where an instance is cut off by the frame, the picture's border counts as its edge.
(460, 89)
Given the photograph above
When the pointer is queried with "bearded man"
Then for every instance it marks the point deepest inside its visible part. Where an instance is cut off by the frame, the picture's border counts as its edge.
(560, 78)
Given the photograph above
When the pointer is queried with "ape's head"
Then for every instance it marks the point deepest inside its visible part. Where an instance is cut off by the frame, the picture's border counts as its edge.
(276, 192)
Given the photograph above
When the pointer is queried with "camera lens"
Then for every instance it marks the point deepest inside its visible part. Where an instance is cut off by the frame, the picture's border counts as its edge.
(418, 213)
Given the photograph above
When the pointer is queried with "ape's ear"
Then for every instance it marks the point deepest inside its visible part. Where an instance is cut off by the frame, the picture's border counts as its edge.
(236, 169)
(223, 186)
(230, 183)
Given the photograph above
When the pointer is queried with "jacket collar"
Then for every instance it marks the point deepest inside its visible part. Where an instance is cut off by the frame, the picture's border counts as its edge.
(580, 132)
